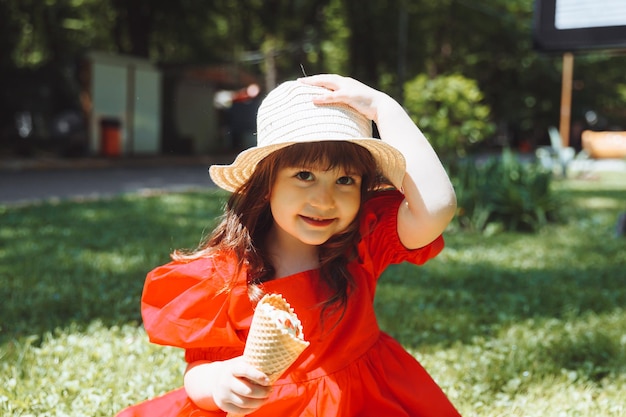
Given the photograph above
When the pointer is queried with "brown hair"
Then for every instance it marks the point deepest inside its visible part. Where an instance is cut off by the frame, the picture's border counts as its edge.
(247, 218)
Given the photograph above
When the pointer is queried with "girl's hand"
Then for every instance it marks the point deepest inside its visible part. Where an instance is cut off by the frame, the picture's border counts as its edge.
(239, 387)
(430, 202)
(364, 99)
(233, 386)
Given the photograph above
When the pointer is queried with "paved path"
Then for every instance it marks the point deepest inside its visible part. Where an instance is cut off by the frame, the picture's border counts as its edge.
(97, 178)
(23, 182)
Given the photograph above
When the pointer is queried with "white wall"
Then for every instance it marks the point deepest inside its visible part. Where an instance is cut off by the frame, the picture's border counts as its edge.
(128, 89)
(195, 114)
(147, 112)
(108, 96)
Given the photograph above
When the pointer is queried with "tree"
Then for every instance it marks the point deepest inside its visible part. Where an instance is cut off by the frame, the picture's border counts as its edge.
(380, 43)
(450, 111)
(10, 34)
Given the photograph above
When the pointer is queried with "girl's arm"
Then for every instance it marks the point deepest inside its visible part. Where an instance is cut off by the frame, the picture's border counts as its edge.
(232, 386)
(430, 201)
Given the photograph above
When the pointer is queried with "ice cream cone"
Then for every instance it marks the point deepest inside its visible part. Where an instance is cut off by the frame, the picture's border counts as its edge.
(275, 339)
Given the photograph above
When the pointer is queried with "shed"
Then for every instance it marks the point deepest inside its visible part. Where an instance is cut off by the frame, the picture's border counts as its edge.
(193, 123)
(123, 92)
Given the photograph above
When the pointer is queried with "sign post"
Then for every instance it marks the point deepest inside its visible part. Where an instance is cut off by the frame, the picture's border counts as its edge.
(566, 97)
(577, 25)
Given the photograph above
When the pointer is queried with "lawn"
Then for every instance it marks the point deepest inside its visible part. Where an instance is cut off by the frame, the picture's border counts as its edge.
(509, 324)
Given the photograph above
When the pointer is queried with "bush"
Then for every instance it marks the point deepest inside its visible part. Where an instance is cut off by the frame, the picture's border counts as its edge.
(450, 112)
(503, 193)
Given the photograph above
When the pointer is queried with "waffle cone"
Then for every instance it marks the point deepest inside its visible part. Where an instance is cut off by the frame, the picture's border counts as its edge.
(270, 347)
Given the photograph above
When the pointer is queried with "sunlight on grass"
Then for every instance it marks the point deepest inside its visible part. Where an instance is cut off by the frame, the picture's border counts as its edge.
(90, 372)
(600, 203)
(509, 324)
(537, 366)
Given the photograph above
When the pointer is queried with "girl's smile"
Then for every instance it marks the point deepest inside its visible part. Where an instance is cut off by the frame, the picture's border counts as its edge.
(317, 222)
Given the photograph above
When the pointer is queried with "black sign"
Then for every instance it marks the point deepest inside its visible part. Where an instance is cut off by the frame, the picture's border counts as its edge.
(569, 25)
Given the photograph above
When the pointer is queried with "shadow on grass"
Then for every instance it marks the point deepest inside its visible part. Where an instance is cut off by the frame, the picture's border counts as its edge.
(72, 263)
(481, 285)
(442, 310)
(69, 263)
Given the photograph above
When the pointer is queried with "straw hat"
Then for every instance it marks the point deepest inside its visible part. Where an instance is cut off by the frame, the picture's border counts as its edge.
(287, 116)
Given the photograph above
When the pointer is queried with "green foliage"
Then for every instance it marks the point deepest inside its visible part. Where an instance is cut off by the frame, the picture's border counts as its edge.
(504, 193)
(516, 324)
(380, 43)
(334, 49)
(56, 31)
(450, 111)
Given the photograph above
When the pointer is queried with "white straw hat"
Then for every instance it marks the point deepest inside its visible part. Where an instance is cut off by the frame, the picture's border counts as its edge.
(287, 116)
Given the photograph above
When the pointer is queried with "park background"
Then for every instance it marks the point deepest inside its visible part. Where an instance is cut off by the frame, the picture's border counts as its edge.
(523, 313)
(189, 51)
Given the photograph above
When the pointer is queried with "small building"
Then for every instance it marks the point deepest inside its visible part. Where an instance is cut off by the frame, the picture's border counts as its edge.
(121, 95)
(207, 109)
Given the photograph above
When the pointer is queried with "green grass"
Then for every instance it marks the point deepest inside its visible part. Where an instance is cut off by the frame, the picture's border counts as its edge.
(508, 324)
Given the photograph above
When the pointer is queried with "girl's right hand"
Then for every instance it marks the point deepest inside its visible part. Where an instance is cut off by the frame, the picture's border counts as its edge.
(233, 386)
(239, 387)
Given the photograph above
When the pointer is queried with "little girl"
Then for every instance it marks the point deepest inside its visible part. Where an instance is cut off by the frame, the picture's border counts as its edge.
(319, 209)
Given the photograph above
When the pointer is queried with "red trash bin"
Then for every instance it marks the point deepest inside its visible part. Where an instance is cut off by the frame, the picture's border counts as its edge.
(110, 136)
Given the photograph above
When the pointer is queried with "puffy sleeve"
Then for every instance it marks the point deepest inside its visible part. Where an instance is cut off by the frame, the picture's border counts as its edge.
(185, 305)
(380, 244)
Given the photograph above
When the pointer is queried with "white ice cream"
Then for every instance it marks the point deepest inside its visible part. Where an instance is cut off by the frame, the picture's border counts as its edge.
(284, 320)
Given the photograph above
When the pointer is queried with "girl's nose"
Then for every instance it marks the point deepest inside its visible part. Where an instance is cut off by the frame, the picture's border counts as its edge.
(322, 196)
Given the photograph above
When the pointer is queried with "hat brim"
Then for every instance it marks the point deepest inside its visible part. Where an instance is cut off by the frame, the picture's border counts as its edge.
(390, 162)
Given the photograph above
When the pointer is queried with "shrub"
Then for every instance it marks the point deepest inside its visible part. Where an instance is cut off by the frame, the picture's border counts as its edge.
(503, 193)
(450, 112)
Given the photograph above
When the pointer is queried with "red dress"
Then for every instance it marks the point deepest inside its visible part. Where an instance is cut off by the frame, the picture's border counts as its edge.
(349, 369)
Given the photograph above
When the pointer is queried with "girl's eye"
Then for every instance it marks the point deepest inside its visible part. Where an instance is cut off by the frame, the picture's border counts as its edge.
(345, 180)
(305, 176)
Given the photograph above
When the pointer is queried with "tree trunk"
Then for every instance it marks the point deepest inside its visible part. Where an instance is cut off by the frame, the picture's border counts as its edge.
(134, 26)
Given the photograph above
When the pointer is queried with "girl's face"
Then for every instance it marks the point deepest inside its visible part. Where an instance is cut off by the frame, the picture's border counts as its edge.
(313, 204)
